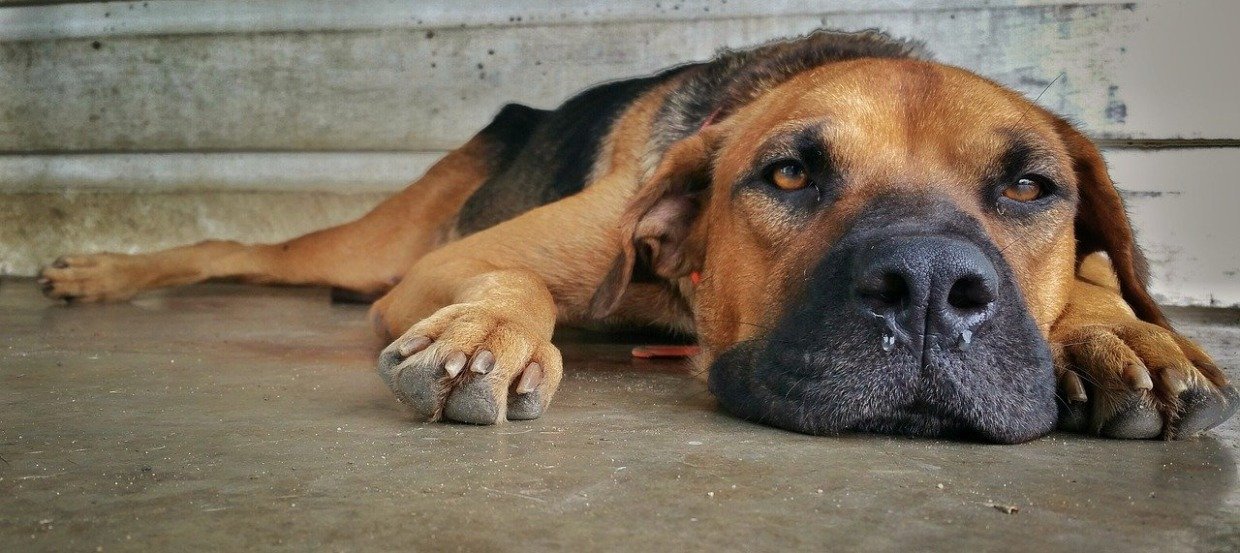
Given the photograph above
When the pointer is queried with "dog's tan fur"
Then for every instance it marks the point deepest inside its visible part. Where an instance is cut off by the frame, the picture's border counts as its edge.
(900, 125)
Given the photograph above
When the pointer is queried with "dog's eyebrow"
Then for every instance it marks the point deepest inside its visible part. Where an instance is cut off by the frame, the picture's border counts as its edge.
(1024, 153)
(793, 143)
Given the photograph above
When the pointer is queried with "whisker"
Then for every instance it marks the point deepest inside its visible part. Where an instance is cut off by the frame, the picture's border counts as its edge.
(1025, 113)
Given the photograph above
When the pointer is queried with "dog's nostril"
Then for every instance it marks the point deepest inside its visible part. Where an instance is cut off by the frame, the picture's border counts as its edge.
(970, 293)
(886, 290)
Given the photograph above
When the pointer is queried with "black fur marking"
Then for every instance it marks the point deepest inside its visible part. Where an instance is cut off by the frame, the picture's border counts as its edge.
(552, 153)
(1025, 154)
(508, 134)
(510, 131)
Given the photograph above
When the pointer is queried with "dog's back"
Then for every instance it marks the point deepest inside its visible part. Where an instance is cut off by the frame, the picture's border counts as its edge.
(542, 156)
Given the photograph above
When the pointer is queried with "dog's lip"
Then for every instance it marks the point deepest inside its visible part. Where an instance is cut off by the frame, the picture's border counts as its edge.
(914, 414)
(809, 403)
(924, 421)
(922, 424)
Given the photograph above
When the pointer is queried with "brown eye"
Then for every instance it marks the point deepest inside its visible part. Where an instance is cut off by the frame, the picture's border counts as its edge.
(789, 175)
(1025, 189)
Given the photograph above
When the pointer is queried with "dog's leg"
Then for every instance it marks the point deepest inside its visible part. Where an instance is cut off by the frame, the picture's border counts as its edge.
(367, 255)
(1125, 378)
(477, 315)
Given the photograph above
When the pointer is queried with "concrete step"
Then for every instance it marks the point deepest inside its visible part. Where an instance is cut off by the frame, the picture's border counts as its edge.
(138, 81)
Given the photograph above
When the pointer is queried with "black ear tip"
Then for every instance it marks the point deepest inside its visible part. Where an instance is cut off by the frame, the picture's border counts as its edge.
(602, 304)
(607, 296)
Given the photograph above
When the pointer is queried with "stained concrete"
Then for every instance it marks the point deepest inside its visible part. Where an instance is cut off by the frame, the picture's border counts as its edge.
(229, 418)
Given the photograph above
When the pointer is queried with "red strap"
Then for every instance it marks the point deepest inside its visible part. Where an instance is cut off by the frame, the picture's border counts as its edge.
(665, 352)
(710, 119)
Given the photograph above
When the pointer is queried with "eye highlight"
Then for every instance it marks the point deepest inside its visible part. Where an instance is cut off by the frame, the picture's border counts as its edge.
(1027, 188)
(787, 175)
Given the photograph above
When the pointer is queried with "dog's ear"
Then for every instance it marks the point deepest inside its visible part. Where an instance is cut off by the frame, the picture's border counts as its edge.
(1102, 225)
(657, 225)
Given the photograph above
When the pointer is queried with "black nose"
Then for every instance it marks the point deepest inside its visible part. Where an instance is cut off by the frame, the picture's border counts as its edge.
(927, 286)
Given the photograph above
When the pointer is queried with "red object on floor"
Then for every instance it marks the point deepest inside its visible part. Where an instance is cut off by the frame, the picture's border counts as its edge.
(665, 352)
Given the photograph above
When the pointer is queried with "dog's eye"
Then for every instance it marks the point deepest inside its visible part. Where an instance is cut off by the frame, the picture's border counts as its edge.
(788, 175)
(1026, 189)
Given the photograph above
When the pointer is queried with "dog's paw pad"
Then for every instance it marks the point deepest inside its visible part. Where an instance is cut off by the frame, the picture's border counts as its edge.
(1139, 420)
(1203, 410)
(525, 406)
(472, 402)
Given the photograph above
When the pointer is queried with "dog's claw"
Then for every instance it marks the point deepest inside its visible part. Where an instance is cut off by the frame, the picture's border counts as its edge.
(454, 364)
(1138, 377)
(1174, 384)
(483, 361)
(530, 379)
(1072, 388)
(414, 345)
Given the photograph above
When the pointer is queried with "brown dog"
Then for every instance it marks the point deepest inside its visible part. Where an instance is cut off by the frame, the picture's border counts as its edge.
(862, 240)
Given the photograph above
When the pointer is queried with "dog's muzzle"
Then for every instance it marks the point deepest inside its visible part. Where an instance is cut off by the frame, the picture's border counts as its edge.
(912, 324)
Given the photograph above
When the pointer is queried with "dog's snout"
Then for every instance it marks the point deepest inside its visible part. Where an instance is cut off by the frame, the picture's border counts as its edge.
(912, 322)
(927, 285)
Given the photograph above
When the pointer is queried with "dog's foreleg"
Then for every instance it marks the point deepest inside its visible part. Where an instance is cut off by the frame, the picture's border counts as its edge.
(475, 317)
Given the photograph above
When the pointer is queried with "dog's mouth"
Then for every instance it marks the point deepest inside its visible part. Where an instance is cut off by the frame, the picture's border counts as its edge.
(907, 327)
(872, 393)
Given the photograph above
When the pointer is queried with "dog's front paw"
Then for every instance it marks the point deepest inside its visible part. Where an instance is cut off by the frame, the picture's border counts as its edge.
(1138, 380)
(467, 363)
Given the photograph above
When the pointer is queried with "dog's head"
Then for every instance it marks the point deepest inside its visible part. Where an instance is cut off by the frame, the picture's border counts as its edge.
(882, 246)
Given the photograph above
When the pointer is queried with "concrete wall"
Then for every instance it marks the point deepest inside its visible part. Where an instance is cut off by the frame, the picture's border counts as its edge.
(184, 107)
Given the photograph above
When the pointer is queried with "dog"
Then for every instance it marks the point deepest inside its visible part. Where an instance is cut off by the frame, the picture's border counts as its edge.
(861, 239)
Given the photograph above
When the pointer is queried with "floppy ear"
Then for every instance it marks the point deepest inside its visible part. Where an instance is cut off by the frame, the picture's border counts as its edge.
(1102, 225)
(657, 223)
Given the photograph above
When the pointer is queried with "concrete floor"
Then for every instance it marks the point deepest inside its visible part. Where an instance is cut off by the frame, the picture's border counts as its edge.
(227, 418)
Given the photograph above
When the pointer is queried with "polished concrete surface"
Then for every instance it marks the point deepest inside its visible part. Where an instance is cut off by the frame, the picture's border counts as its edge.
(229, 418)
